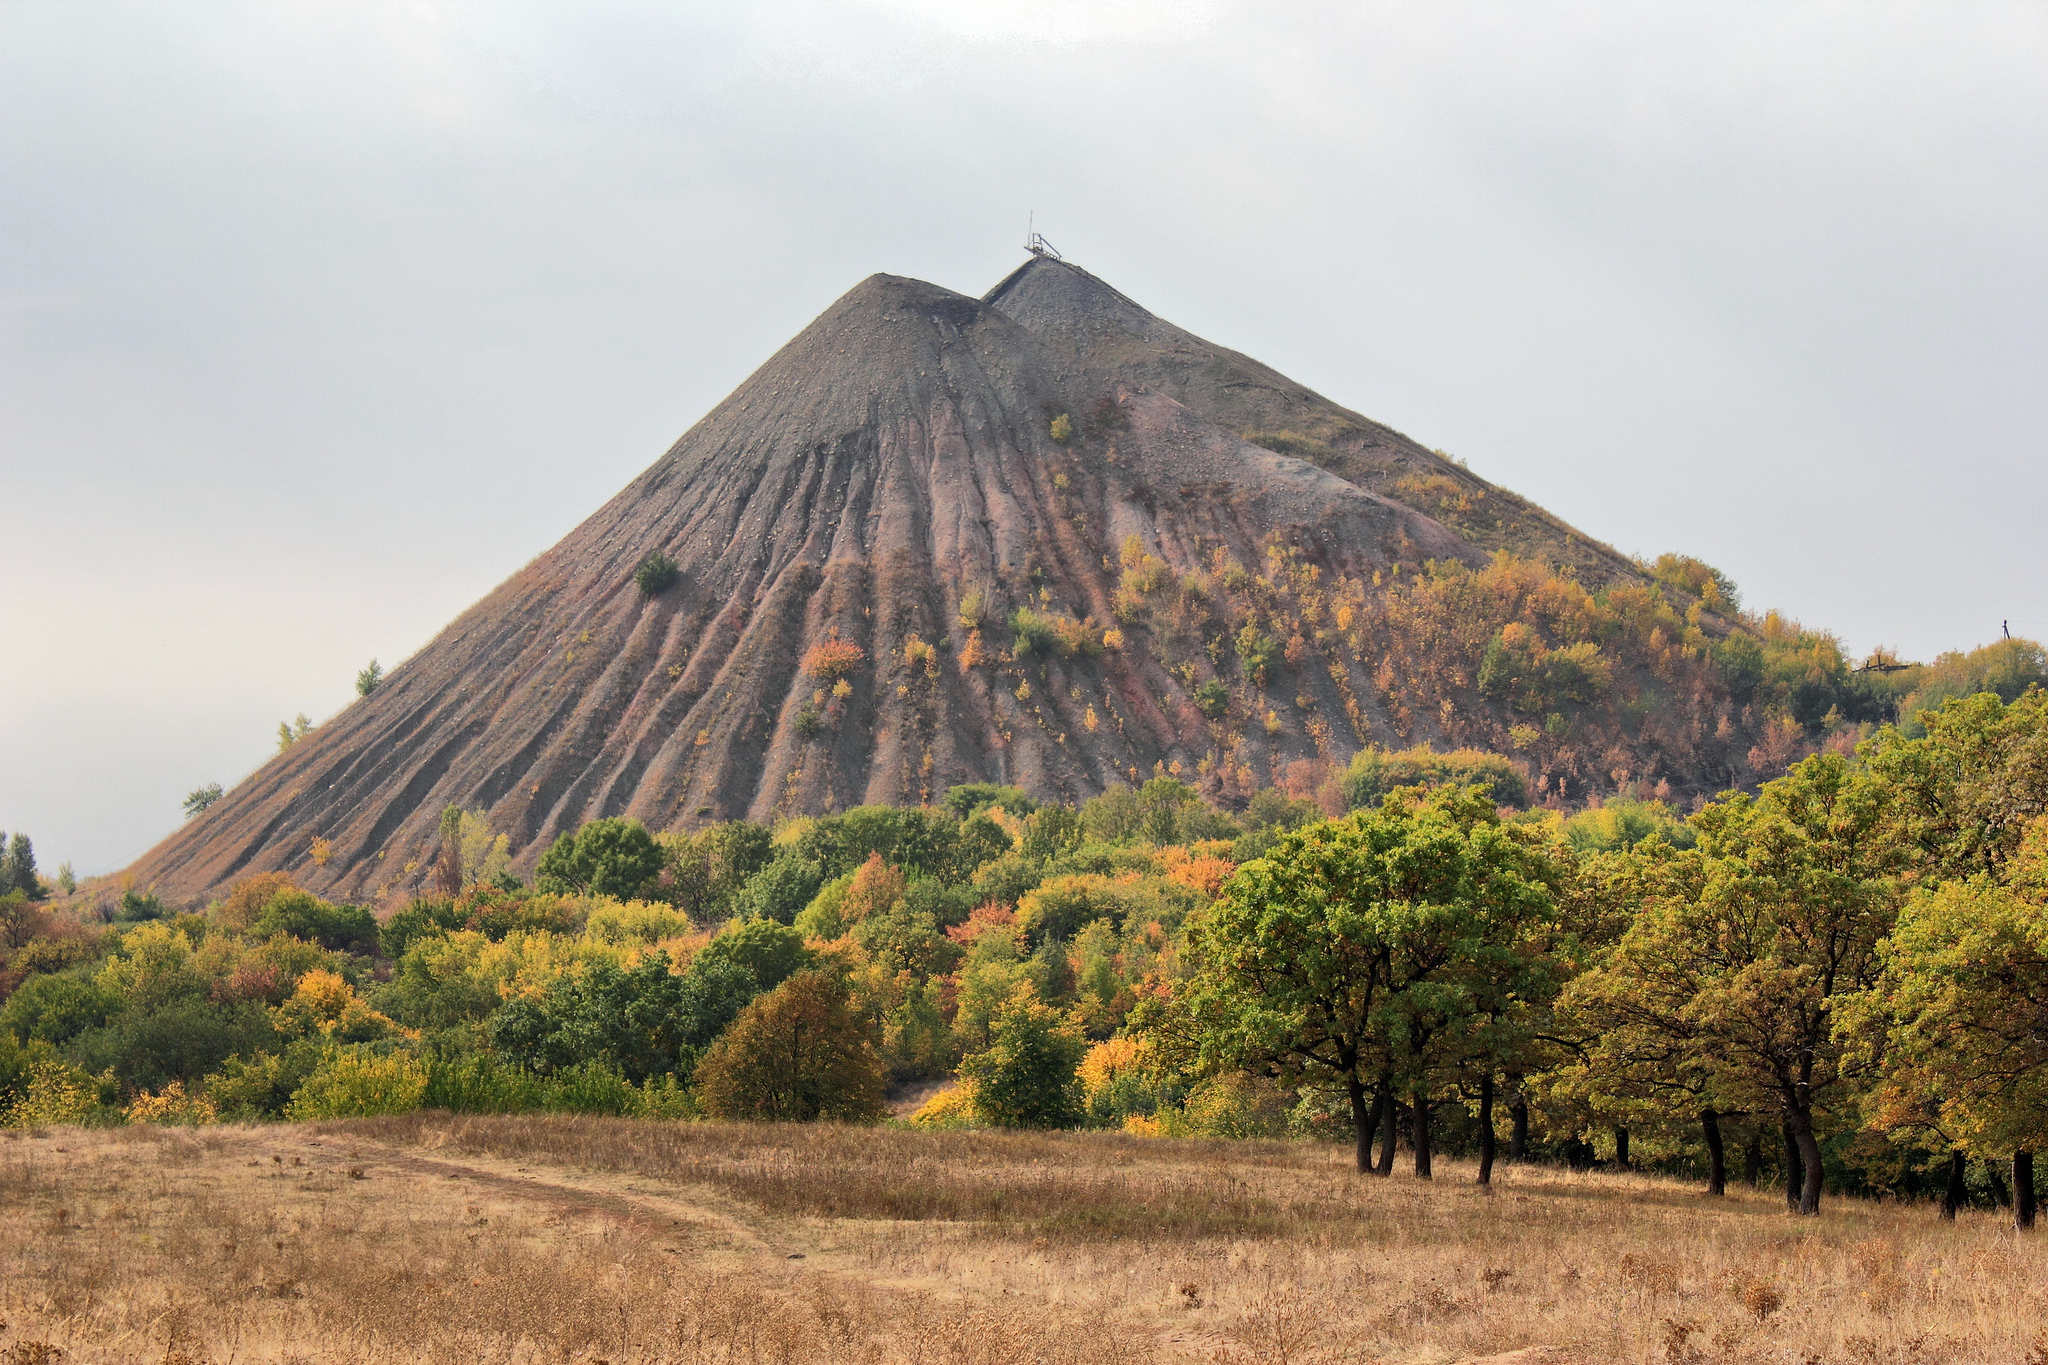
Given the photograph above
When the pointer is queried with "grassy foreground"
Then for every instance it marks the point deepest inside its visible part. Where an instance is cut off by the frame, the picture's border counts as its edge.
(546, 1238)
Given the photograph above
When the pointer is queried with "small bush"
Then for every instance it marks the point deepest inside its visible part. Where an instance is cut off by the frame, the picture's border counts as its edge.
(1147, 576)
(1375, 772)
(1258, 650)
(973, 609)
(1062, 428)
(340, 928)
(592, 1088)
(352, 1082)
(1212, 698)
(656, 573)
(248, 898)
(952, 1107)
(1051, 635)
(482, 1085)
(833, 659)
(171, 1106)
(140, 908)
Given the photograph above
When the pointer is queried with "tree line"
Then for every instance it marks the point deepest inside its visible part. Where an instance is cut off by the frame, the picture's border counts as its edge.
(1860, 948)
(1839, 976)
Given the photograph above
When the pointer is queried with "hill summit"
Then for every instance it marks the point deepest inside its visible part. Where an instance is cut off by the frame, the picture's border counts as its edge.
(1042, 538)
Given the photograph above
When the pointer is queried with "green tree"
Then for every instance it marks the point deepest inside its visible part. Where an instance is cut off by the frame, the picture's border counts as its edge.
(780, 890)
(1967, 791)
(1050, 832)
(370, 678)
(797, 1054)
(655, 574)
(1958, 1025)
(1373, 772)
(641, 1021)
(770, 953)
(2005, 667)
(292, 731)
(342, 928)
(707, 870)
(56, 1009)
(1026, 1076)
(970, 799)
(611, 857)
(1163, 811)
(1750, 942)
(18, 869)
(199, 798)
(1356, 947)
(1639, 1058)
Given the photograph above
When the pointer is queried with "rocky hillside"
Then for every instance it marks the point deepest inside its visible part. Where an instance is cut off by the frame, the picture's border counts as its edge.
(1078, 314)
(1042, 538)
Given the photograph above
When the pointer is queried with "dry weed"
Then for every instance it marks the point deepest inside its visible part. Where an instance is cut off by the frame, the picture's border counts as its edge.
(552, 1238)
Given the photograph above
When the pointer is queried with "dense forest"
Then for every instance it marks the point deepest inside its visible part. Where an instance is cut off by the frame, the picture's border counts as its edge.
(1831, 976)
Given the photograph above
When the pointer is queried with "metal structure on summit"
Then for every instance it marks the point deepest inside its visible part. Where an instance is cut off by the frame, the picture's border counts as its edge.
(1037, 245)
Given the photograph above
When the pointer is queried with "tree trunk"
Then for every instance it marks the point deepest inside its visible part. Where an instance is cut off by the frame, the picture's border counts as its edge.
(1957, 1193)
(1795, 1178)
(1753, 1157)
(1717, 1159)
(1486, 1129)
(2000, 1195)
(2022, 1191)
(1809, 1158)
(1390, 1122)
(1518, 1140)
(1422, 1171)
(1621, 1147)
(1381, 1098)
(1361, 1121)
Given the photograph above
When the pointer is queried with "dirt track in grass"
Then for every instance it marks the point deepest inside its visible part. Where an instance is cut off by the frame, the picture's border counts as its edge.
(431, 1238)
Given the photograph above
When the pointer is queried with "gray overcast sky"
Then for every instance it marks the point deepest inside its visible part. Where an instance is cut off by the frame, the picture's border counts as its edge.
(317, 320)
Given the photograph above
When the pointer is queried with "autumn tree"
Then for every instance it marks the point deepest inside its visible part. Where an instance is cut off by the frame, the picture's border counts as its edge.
(797, 1054)
(1957, 1027)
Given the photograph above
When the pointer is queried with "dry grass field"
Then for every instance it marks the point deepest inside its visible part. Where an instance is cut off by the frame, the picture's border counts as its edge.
(433, 1238)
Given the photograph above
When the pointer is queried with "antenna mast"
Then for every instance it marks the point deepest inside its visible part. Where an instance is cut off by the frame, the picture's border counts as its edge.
(1036, 244)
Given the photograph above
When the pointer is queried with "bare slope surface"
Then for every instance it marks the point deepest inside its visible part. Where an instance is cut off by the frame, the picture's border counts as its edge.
(429, 1237)
(889, 483)
(1084, 316)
